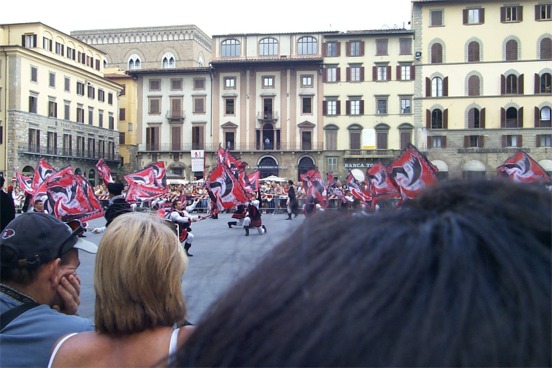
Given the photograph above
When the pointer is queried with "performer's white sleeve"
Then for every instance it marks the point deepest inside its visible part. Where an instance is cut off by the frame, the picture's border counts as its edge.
(175, 216)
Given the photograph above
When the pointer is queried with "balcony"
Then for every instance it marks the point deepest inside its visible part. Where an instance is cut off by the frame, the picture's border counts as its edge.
(66, 153)
(176, 116)
(241, 147)
(268, 117)
(374, 153)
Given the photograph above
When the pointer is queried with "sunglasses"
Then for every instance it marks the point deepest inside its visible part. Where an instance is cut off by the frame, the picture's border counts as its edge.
(76, 230)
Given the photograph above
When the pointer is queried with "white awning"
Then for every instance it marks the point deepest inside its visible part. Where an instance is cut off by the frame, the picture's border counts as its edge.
(474, 165)
(441, 165)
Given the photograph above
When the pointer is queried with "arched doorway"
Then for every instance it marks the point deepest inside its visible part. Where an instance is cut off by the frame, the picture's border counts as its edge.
(78, 171)
(28, 171)
(305, 164)
(268, 166)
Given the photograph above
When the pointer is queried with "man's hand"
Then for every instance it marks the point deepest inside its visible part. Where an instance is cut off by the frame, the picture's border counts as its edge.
(69, 292)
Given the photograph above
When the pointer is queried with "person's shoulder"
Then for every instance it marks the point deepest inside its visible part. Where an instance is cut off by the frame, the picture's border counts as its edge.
(82, 348)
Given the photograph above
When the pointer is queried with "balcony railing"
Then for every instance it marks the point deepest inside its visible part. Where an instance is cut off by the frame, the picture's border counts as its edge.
(372, 152)
(67, 153)
(177, 116)
(267, 116)
(242, 147)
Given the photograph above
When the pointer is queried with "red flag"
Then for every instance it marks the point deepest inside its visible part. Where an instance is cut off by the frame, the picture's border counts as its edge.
(252, 181)
(148, 183)
(70, 197)
(412, 172)
(521, 168)
(104, 171)
(25, 182)
(382, 186)
(226, 188)
(42, 171)
(314, 187)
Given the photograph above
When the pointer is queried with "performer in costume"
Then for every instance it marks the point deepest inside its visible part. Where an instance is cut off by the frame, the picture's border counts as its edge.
(292, 204)
(253, 218)
(239, 214)
(182, 217)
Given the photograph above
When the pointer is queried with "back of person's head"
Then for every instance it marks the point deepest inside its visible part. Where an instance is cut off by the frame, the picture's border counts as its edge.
(138, 275)
(2, 181)
(461, 276)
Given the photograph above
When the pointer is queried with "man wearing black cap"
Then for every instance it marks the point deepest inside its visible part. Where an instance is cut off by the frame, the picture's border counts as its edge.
(39, 287)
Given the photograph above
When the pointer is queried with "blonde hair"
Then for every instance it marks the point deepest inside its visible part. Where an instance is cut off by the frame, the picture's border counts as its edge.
(138, 274)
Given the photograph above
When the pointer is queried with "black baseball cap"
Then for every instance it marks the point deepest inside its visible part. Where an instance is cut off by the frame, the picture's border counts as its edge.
(37, 238)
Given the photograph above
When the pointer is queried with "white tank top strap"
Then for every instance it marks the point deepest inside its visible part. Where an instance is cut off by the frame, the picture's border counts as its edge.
(58, 345)
(173, 345)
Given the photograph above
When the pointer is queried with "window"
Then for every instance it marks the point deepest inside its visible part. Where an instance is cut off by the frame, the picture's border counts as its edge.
(134, 62)
(122, 114)
(332, 164)
(406, 105)
(511, 117)
(197, 137)
(382, 136)
(111, 121)
(101, 118)
(306, 105)
(382, 72)
(67, 145)
(474, 86)
(332, 74)
(511, 141)
(307, 46)
(91, 92)
(154, 104)
(354, 139)
(306, 140)
(331, 107)
(473, 52)
(67, 84)
(306, 80)
(91, 152)
(110, 98)
(268, 82)
(437, 119)
(152, 138)
(52, 108)
(176, 137)
(331, 138)
(355, 48)
(381, 47)
(176, 84)
(332, 49)
(130, 127)
(543, 12)
(544, 140)
(155, 85)
(355, 73)
(355, 106)
(34, 74)
(229, 104)
(546, 49)
(268, 47)
(511, 50)
(511, 14)
(70, 53)
(29, 40)
(101, 95)
(67, 110)
(474, 16)
(381, 105)
(59, 49)
(230, 83)
(90, 116)
(437, 141)
(476, 118)
(52, 80)
(543, 117)
(199, 105)
(199, 83)
(436, 87)
(405, 72)
(405, 45)
(473, 141)
(80, 88)
(436, 18)
(80, 146)
(168, 61)
(51, 143)
(34, 140)
(512, 84)
(405, 137)
(33, 103)
(230, 48)
(436, 53)
(47, 44)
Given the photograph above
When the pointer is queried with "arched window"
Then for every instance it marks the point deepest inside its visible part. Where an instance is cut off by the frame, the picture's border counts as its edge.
(230, 48)
(436, 53)
(437, 87)
(437, 119)
(544, 121)
(546, 83)
(307, 46)
(355, 132)
(473, 52)
(474, 116)
(268, 47)
(511, 118)
(134, 62)
(382, 136)
(511, 50)
(546, 49)
(474, 86)
(168, 61)
(511, 84)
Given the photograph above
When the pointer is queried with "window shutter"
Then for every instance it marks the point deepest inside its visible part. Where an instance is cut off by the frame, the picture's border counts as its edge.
(502, 84)
(520, 83)
(338, 75)
(388, 72)
(443, 142)
(362, 74)
(537, 12)
(338, 107)
(348, 49)
(361, 48)
(520, 118)
(428, 119)
(481, 141)
(537, 83)
(465, 16)
(502, 117)
(482, 118)
(338, 48)
(429, 142)
(325, 49)
(325, 74)
(412, 72)
(428, 87)
(520, 140)
(361, 107)
(445, 86)
(482, 15)
(537, 117)
(537, 143)
(502, 14)
(504, 140)
(466, 141)
(374, 73)
(23, 41)
(445, 119)
(520, 13)
(324, 107)
(398, 72)
(34, 41)
(347, 107)
(348, 74)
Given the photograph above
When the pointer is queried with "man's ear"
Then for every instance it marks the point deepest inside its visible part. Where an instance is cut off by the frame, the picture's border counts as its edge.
(54, 272)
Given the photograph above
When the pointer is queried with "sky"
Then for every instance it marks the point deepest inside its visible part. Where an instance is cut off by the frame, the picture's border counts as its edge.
(215, 17)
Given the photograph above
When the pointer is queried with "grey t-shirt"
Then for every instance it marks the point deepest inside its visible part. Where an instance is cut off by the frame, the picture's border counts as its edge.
(28, 340)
